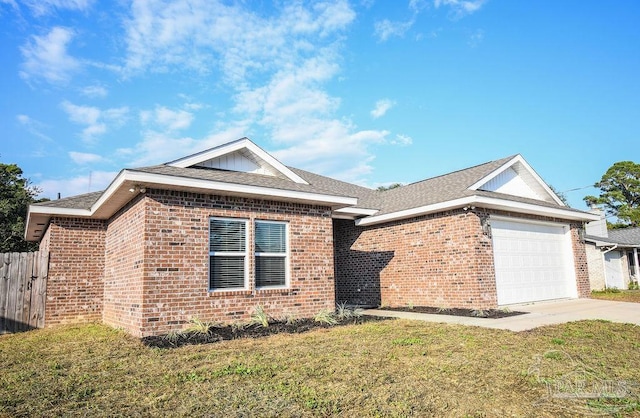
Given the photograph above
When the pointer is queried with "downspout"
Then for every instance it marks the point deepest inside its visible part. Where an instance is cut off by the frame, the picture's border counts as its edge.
(604, 264)
(635, 261)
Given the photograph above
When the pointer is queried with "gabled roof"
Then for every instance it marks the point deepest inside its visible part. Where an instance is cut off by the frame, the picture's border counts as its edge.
(484, 185)
(241, 168)
(241, 155)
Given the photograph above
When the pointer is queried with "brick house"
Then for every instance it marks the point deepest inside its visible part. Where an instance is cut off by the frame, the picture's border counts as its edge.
(214, 234)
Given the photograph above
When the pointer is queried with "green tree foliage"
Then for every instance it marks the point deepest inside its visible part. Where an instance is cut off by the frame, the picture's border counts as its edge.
(16, 193)
(389, 187)
(620, 192)
(561, 195)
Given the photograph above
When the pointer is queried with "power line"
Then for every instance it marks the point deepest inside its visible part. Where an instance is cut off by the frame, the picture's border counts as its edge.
(579, 188)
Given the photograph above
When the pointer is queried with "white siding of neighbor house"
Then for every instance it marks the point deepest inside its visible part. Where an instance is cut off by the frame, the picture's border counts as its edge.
(595, 266)
(510, 182)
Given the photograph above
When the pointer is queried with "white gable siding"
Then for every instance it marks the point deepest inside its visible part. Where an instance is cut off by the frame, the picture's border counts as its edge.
(509, 182)
(237, 161)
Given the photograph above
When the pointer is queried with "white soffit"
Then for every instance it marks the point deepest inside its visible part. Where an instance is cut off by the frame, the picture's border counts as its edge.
(517, 178)
(241, 155)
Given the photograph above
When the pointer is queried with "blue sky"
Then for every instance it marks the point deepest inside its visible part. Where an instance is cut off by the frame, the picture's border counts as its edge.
(371, 92)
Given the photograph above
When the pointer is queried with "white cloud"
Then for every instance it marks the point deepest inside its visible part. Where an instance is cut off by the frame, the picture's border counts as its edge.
(84, 158)
(173, 119)
(46, 57)
(158, 147)
(33, 126)
(89, 182)
(460, 8)
(386, 29)
(95, 91)
(46, 7)
(381, 108)
(277, 65)
(166, 119)
(418, 5)
(476, 38)
(94, 119)
(402, 140)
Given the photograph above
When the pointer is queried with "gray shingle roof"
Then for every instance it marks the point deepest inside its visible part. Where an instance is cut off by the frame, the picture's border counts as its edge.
(629, 236)
(81, 201)
(236, 177)
(426, 192)
(434, 190)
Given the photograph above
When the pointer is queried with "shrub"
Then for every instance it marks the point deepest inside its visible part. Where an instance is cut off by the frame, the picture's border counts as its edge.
(260, 317)
(325, 316)
(197, 326)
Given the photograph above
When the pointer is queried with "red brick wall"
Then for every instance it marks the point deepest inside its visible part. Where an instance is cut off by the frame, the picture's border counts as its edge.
(176, 258)
(76, 266)
(441, 260)
(436, 260)
(124, 267)
(580, 260)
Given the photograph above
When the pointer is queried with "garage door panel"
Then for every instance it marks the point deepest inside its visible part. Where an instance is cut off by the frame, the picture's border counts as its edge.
(532, 262)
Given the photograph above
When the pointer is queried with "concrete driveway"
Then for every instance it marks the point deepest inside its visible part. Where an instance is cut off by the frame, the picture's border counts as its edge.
(538, 314)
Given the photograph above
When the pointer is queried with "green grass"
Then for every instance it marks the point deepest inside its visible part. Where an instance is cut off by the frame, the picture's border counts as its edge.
(389, 368)
(617, 295)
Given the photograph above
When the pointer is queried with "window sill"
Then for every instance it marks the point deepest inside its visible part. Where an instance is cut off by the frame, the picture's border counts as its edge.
(263, 290)
(225, 292)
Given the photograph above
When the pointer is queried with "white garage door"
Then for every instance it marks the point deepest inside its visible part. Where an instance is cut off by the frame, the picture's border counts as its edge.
(533, 261)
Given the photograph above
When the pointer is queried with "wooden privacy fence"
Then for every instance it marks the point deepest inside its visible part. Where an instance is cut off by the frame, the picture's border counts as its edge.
(23, 290)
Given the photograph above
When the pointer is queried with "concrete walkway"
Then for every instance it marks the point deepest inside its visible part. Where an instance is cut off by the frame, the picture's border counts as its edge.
(538, 314)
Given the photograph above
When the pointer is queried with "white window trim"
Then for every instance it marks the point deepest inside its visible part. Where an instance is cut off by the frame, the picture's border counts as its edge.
(285, 255)
(232, 254)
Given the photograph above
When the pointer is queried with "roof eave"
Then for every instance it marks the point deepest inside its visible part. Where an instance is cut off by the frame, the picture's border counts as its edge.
(129, 183)
(484, 202)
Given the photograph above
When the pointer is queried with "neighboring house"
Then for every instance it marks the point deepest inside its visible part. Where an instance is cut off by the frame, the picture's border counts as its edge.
(214, 234)
(612, 255)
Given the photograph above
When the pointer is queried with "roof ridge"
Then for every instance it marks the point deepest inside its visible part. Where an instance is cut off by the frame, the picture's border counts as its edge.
(505, 159)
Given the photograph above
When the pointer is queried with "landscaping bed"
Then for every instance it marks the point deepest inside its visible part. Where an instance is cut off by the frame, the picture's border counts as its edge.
(207, 334)
(474, 313)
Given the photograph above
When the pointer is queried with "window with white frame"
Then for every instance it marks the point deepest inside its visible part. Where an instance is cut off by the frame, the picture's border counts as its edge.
(271, 254)
(227, 254)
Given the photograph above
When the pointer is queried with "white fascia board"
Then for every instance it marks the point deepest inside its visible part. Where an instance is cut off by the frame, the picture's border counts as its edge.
(110, 190)
(484, 202)
(53, 211)
(517, 159)
(528, 208)
(357, 211)
(494, 173)
(205, 155)
(411, 213)
(209, 186)
(275, 163)
(233, 147)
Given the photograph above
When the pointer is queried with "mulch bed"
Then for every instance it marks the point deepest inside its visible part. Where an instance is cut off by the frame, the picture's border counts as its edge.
(229, 332)
(486, 313)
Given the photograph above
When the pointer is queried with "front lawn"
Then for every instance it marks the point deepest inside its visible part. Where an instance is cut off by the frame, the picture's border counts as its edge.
(385, 368)
(618, 295)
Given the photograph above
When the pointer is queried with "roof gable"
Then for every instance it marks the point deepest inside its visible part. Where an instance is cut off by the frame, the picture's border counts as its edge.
(517, 178)
(241, 156)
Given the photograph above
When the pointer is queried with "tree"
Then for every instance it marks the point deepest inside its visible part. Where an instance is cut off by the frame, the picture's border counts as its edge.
(389, 187)
(561, 195)
(16, 193)
(620, 192)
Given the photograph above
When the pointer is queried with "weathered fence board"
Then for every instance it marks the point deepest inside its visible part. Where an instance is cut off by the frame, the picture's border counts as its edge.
(23, 290)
